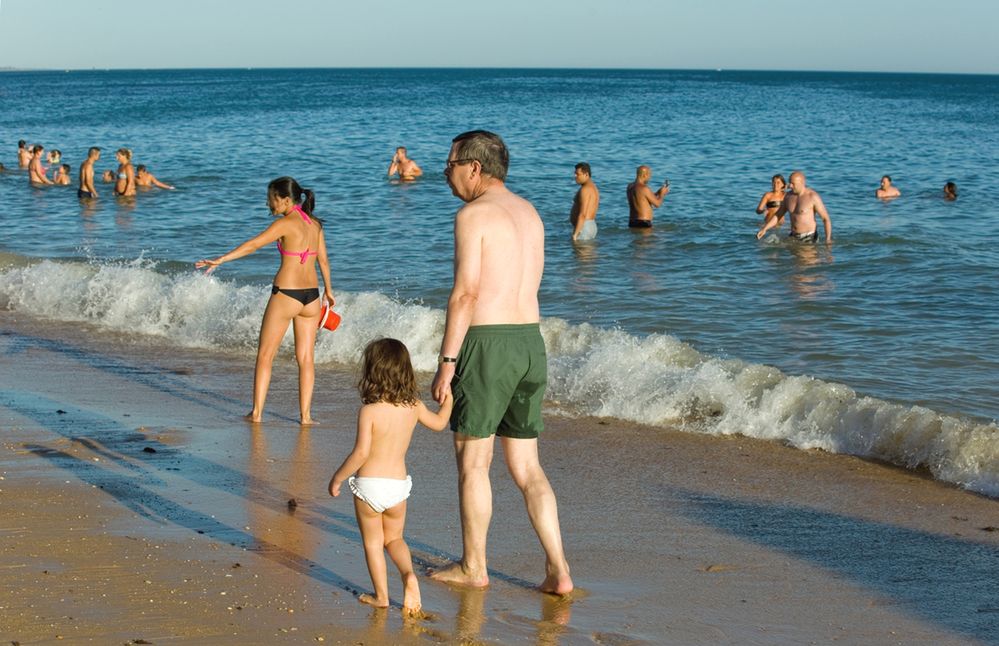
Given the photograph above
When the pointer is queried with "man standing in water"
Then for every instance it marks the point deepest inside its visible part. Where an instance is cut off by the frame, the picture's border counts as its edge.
(803, 204)
(493, 355)
(406, 168)
(23, 154)
(87, 190)
(641, 199)
(584, 207)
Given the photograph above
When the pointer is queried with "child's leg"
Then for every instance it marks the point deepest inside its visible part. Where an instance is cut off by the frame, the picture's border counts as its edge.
(370, 523)
(393, 522)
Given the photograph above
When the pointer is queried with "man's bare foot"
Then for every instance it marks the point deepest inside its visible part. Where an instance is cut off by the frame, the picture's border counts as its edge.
(560, 584)
(456, 574)
(373, 601)
(250, 417)
(411, 600)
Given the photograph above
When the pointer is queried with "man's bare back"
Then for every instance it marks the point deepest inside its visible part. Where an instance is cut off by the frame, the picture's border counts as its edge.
(641, 198)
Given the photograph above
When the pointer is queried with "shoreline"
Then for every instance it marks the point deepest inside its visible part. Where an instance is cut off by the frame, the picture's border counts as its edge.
(671, 536)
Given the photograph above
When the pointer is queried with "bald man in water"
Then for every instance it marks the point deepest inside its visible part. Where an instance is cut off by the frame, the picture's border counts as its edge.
(641, 199)
(803, 204)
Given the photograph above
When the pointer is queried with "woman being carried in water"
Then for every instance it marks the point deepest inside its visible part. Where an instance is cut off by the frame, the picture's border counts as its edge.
(772, 199)
(295, 292)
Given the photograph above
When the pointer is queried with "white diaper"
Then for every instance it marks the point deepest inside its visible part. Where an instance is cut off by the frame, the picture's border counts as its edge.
(381, 493)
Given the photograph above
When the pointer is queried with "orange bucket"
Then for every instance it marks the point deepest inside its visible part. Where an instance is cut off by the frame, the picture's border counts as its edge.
(329, 319)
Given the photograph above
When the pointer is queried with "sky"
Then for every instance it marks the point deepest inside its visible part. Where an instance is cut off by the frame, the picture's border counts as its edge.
(957, 36)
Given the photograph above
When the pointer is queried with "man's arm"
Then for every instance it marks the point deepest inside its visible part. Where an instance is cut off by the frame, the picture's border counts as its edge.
(464, 295)
(655, 199)
(587, 209)
(158, 183)
(88, 180)
(414, 170)
(774, 221)
(820, 208)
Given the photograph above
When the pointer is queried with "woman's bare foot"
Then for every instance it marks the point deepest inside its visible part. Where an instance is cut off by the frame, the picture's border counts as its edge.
(411, 600)
(560, 584)
(456, 574)
(373, 601)
(308, 421)
(250, 417)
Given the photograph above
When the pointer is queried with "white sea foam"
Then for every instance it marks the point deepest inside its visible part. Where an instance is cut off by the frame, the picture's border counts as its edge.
(656, 380)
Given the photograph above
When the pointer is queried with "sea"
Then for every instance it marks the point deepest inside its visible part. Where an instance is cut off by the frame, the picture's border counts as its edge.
(884, 344)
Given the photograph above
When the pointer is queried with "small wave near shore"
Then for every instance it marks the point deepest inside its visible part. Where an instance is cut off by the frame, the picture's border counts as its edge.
(656, 380)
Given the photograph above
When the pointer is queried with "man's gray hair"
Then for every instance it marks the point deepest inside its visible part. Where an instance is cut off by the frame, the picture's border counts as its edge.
(486, 148)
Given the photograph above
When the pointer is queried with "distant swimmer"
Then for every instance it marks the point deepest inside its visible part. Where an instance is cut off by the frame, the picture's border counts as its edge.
(950, 191)
(36, 172)
(803, 204)
(887, 191)
(403, 166)
(295, 296)
(54, 157)
(23, 154)
(146, 179)
(107, 177)
(641, 199)
(61, 176)
(125, 182)
(584, 206)
(772, 199)
(86, 189)
(2, 168)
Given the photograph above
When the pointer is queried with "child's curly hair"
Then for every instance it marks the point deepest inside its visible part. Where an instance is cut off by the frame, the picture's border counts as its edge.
(387, 374)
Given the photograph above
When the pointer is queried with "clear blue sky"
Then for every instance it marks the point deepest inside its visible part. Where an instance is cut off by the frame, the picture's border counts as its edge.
(880, 35)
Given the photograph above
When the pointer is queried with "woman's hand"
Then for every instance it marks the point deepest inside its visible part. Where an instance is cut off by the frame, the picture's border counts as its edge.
(211, 265)
(328, 296)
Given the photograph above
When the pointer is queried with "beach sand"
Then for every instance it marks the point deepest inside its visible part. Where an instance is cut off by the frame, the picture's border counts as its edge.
(137, 505)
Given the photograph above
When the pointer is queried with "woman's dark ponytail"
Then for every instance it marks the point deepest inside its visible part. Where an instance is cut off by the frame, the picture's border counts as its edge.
(288, 187)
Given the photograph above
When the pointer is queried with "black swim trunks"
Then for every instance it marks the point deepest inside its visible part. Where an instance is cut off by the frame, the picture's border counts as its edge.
(639, 224)
(805, 237)
(80, 193)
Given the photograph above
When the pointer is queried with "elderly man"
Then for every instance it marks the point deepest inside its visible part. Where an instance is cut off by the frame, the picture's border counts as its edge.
(493, 355)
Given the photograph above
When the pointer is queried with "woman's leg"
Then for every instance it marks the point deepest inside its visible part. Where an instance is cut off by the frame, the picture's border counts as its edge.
(306, 325)
(280, 311)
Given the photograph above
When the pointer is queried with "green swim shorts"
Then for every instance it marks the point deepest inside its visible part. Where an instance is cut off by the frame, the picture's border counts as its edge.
(499, 381)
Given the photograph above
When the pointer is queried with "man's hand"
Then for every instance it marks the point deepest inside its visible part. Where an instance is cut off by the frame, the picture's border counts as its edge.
(441, 386)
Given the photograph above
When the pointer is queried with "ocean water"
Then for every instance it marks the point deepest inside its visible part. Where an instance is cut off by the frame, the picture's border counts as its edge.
(884, 345)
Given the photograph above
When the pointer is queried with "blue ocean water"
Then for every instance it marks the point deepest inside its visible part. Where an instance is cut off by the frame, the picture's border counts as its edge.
(884, 344)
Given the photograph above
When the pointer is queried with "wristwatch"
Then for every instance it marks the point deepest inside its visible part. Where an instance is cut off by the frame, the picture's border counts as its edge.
(444, 359)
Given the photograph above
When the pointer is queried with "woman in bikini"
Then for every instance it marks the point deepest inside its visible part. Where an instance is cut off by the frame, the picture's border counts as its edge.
(772, 199)
(295, 293)
(125, 183)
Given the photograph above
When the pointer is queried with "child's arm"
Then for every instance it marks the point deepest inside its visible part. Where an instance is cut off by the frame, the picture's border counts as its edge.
(436, 421)
(357, 457)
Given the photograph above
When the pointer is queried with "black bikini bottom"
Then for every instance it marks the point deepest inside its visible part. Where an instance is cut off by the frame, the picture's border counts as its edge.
(303, 296)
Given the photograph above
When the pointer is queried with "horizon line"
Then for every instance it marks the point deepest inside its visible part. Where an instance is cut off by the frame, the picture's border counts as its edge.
(487, 68)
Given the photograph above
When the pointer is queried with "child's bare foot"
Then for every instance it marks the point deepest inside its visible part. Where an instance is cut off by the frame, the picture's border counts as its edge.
(456, 574)
(374, 601)
(411, 600)
(560, 584)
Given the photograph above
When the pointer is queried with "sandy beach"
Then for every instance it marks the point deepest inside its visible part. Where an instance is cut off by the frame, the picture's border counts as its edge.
(137, 507)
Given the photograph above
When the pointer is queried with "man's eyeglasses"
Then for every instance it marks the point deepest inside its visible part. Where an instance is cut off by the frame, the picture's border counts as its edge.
(451, 163)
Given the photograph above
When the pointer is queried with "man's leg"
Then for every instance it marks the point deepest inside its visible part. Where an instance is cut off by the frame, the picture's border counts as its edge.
(525, 467)
(475, 499)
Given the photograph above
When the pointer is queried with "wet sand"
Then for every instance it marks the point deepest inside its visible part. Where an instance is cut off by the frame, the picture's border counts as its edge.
(136, 505)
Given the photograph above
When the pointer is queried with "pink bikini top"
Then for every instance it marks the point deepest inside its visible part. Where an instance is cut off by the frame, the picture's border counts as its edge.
(303, 255)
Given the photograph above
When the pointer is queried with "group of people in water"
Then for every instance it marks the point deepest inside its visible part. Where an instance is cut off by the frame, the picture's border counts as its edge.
(126, 179)
(490, 381)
